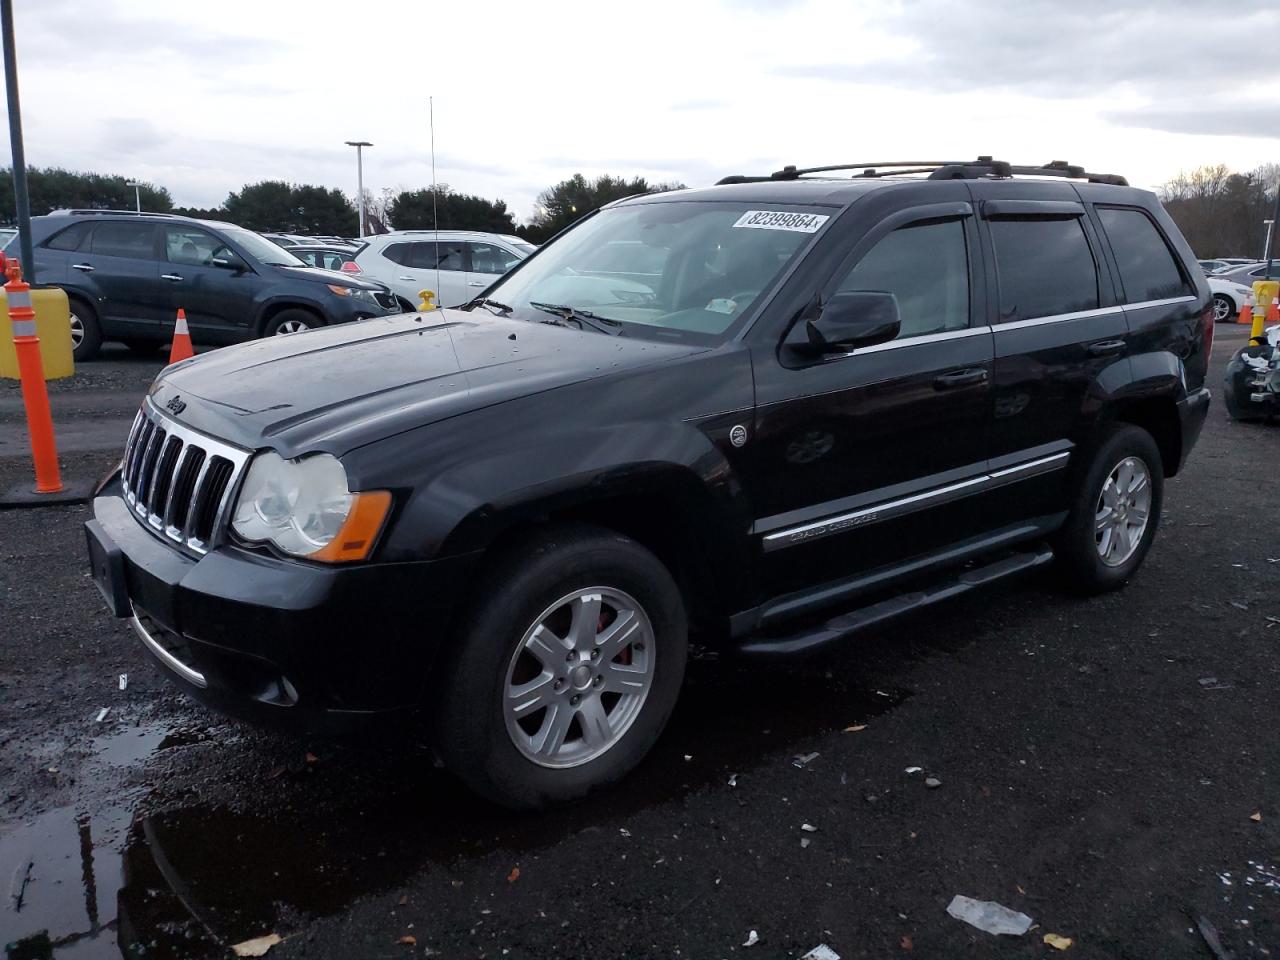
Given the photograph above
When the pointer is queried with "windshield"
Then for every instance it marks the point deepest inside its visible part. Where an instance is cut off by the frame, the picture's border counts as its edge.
(261, 249)
(687, 270)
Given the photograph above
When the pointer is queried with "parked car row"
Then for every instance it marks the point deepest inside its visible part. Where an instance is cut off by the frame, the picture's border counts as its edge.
(127, 274)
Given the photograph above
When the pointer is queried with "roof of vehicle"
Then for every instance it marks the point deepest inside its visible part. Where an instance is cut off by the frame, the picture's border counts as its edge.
(818, 185)
(444, 234)
(324, 248)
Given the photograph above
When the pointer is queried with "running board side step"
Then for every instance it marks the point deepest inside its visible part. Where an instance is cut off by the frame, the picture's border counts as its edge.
(864, 618)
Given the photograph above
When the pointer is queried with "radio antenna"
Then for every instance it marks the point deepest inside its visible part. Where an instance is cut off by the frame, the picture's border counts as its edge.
(435, 219)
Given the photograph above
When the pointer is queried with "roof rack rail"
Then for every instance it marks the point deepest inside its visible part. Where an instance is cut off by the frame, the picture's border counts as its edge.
(983, 166)
(114, 213)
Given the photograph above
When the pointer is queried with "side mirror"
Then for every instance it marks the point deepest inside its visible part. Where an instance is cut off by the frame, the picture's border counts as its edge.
(860, 318)
(229, 260)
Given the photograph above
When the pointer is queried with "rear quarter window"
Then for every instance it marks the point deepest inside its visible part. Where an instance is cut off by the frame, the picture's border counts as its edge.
(1148, 270)
(71, 238)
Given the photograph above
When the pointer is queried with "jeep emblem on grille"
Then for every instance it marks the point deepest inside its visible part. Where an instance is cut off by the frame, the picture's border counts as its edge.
(177, 405)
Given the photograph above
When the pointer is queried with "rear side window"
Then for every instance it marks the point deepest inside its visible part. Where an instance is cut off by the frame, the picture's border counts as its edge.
(926, 267)
(397, 253)
(136, 240)
(1044, 267)
(70, 238)
(436, 255)
(1147, 267)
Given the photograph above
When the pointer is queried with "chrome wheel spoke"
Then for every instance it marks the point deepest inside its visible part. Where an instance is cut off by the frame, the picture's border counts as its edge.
(1104, 519)
(594, 721)
(618, 635)
(1138, 515)
(528, 698)
(586, 621)
(555, 727)
(548, 648)
(624, 679)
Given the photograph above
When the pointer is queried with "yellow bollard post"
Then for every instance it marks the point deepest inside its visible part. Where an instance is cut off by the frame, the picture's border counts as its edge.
(1265, 293)
(427, 298)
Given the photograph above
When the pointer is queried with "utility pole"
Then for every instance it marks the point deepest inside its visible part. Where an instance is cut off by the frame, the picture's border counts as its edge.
(137, 194)
(22, 200)
(360, 145)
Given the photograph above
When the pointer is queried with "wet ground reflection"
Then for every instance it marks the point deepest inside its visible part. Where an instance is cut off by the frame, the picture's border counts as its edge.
(193, 876)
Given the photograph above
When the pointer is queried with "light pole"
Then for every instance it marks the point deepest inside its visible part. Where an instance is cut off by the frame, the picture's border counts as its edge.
(1266, 247)
(360, 145)
(137, 194)
(22, 201)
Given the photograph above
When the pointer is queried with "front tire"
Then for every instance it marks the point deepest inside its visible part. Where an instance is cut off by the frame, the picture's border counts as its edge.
(291, 321)
(566, 670)
(1115, 513)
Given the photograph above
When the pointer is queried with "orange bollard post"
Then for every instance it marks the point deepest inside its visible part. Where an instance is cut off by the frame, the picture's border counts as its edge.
(35, 396)
(181, 348)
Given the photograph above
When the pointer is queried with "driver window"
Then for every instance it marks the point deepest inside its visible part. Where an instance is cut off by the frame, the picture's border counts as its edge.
(924, 265)
(191, 247)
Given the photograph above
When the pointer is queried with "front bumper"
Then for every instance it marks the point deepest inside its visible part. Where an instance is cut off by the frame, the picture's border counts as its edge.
(274, 640)
(349, 309)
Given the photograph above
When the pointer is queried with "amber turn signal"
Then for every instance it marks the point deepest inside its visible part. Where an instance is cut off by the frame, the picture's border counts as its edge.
(360, 531)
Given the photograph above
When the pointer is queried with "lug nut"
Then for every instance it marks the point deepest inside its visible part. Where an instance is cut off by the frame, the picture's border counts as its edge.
(559, 684)
(577, 697)
(595, 654)
(568, 657)
(599, 680)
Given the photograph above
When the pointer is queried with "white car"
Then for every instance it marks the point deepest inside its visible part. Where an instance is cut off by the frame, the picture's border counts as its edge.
(1228, 298)
(456, 264)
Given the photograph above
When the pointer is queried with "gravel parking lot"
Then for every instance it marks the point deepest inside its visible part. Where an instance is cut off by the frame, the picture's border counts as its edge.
(1107, 766)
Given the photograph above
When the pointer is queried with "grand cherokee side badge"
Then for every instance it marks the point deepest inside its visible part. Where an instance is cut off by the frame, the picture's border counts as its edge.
(176, 405)
(738, 435)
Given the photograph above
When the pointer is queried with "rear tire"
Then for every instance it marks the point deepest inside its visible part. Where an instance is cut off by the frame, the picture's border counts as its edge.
(86, 331)
(506, 744)
(1115, 513)
(291, 321)
(1224, 309)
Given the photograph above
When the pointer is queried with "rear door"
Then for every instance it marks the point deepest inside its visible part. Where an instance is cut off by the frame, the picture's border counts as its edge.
(434, 265)
(219, 302)
(1058, 332)
(120, 258)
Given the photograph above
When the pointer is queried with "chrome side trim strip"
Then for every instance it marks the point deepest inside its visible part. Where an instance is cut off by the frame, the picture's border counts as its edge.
(164, 656)
(913, 341)
(1085, 314)
(892, 509)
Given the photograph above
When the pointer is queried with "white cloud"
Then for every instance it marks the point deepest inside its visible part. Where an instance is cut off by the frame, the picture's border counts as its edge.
(203, 99)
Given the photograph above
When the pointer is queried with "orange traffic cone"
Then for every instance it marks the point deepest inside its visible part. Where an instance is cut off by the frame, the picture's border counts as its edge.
(181, 349)
(1273, 312)
(1246, 315)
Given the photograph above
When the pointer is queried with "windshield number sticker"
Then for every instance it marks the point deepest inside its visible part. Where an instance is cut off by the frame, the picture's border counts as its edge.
(779, 220)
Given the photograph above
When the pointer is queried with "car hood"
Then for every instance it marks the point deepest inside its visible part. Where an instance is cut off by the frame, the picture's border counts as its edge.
(327, 276)
(338, 388)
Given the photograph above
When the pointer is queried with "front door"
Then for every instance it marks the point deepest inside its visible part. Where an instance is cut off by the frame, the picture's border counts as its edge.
(486, 263)
(219, 302)
(862, 459)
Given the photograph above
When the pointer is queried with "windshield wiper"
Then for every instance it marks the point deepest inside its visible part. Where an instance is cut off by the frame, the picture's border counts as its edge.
(574, 318)
(501, 308)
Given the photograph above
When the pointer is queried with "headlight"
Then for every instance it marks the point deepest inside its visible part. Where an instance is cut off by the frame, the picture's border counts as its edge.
(304, 508)
(356, 293)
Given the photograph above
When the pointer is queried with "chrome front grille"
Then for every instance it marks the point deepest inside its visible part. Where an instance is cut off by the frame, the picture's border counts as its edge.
(385, 300)
(179, 482)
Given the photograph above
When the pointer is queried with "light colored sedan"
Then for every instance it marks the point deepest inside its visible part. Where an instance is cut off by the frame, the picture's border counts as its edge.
(1228, 298)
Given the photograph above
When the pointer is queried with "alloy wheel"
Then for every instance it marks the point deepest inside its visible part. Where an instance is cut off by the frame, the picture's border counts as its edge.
(579, 677)
(291, 327)
(1123, 511)
(77, 331)
(1221, 309)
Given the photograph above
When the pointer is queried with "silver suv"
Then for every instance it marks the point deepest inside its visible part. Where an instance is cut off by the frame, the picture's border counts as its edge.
(456, 264)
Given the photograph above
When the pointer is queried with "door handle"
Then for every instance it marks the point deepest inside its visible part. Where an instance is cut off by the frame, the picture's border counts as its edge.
(1105, 348)
(410, 279)
(170, 276)
(82, 266)
(960, 378)
(476, 283)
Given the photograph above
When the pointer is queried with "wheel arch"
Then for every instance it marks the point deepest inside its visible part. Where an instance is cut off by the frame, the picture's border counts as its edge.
(1158, 416)
(274, 308)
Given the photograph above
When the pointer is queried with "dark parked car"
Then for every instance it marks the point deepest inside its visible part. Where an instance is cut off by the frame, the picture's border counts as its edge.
(805, 406)
(127, 274)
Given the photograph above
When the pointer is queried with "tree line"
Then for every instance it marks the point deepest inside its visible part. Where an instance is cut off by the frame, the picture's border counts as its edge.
(278, 206)
(1221, 212)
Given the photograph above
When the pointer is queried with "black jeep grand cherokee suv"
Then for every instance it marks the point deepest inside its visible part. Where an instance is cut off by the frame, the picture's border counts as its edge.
(791, 407)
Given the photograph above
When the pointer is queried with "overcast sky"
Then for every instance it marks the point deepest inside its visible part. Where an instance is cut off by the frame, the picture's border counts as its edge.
(202, 98)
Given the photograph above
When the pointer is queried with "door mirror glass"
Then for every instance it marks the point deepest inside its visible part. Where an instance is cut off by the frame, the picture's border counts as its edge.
(848, 320)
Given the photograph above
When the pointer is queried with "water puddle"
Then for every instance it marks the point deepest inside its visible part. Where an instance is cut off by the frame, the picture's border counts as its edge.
(188, 879)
